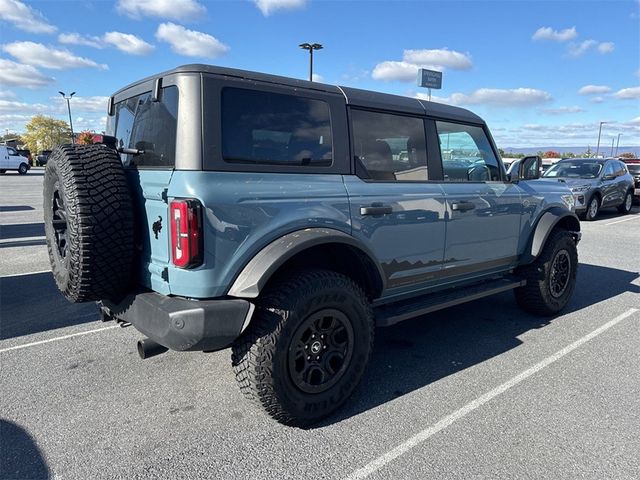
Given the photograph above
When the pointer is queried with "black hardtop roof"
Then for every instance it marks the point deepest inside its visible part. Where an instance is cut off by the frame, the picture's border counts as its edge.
(354, 96)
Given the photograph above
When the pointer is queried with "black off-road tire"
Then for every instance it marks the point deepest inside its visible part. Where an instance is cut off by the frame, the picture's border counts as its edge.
(536, 296)
(3, 171)
(261, 355)
(91, 253)
(23, 168)
(627, 203)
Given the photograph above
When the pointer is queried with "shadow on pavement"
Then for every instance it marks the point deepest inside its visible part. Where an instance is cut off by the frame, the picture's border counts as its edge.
(21, 457)
(15, 208)
(21, 230)
(32, 303)
(423, 350)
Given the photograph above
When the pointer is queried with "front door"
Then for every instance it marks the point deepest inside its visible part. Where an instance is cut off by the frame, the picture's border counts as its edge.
(395, 210)
(483, 210)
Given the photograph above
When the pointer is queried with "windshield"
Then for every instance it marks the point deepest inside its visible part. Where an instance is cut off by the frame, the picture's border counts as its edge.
(577, 169)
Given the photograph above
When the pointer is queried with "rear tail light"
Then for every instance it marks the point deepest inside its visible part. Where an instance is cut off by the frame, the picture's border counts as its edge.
(186, 233)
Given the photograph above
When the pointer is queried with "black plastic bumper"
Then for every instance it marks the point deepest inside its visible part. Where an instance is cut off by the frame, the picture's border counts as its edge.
(181, 324)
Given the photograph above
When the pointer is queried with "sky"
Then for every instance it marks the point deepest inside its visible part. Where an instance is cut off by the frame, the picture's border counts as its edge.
(540, 73)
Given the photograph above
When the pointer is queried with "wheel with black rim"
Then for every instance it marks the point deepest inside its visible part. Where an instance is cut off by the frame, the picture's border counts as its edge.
(88, 222)
(551, 278)
(307, 346)
(23, 168)
(627, 203)
(592, 208)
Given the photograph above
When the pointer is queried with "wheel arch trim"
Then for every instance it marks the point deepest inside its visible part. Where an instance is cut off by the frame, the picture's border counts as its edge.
(257, 272)
(547, 222)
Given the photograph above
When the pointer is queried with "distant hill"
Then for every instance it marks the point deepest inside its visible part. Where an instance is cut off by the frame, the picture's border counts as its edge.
(605, 150)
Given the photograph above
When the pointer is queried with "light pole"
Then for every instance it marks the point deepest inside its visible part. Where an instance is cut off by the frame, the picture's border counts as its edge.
(618, 144)
(613, 140)
(599, 132)
(311, 47)
(73, 140)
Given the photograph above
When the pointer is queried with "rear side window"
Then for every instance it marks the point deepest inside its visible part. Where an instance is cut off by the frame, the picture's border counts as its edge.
(150, 127)
(466, 153)
(389, 147)
(266, 128)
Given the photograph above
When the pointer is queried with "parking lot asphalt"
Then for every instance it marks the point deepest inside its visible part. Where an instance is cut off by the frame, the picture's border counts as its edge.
(480, 390)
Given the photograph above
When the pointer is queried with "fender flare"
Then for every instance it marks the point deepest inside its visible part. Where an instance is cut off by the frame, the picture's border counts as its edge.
(255, 274)
(547, 222)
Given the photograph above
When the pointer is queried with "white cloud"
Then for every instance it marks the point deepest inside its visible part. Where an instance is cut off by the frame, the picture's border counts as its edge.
(317, 78)
(125, 42)
(635, 121)
(628, 93)
(606, 47)
(496, 97)
(547, 33)
(189, 42)
(597, 100)
(7, 94)
(128, 43)
(562, 110)
(170, 9)
(267, 7)
(443, 58)
(412, 60)
(13, 106)
(39, 55)
(96, 103)
(591, 89)
(24, 17)
(77, 39)
(19, 75)
(579, 49)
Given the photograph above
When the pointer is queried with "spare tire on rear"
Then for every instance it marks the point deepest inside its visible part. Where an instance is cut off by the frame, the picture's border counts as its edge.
(88, 222)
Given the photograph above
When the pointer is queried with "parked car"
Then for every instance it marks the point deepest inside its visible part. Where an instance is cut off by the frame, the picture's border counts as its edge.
(27, 154)
(633, 166)
(286, 219)
(10, 159)
(596, 183)
(42, 158)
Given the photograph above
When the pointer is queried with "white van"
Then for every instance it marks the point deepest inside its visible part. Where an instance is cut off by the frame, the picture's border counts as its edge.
(10, 160)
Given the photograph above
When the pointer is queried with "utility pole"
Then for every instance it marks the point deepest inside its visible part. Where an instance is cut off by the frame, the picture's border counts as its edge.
(73, 140)
(599, 132)
(311, 47)
(618, 144)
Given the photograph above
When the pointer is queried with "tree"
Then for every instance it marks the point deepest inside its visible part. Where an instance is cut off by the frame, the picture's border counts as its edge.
(85, 138)
(12, 136)
(628, 155)
(44, 133)
(551, 154)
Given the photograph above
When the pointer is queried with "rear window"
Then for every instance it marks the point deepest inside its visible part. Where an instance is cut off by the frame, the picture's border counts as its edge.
(150, 127)
(265, 128)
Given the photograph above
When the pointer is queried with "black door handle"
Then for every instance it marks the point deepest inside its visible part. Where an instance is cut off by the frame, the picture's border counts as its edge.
(376, 210)
(463, 206)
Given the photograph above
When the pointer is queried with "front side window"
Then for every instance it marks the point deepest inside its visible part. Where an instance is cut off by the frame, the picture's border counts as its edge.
(609, 169)
(266, 128)
(149, 126)
(574, 169)
(466, 153)
(389, 147)
(12, 151)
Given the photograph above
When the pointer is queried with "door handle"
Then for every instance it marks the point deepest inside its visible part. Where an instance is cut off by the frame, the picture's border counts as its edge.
(376, 210)
(463, 206)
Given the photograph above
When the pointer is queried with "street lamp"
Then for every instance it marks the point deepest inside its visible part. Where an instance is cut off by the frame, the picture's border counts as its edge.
(311, 47)
(73, 140)
(618, 144)
(599, 132)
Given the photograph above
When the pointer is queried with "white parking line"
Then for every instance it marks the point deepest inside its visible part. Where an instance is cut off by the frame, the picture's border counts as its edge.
(33, 344)
(425, 434)
(24, 273)
(635, 217)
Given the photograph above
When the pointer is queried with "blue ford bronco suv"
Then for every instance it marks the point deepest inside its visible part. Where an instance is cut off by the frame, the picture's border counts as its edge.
(287, 219)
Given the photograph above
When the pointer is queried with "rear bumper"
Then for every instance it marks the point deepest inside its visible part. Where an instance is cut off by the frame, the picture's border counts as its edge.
(181, 324)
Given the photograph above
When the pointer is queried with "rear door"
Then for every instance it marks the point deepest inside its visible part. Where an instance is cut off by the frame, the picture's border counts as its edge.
(483, 209)
(148, 126)
(609, 185)
(395, 209)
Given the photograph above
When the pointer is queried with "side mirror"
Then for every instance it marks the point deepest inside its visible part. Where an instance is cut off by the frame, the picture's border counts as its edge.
(529, 168)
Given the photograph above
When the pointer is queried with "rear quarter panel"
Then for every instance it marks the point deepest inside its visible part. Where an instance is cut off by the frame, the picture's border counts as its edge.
(244, 212)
